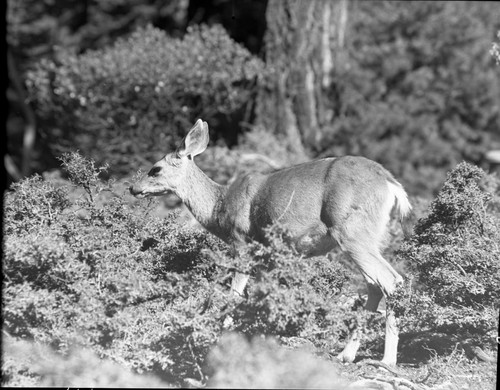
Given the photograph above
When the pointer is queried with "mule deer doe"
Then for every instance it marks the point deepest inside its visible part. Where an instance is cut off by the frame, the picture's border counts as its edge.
(343, 201)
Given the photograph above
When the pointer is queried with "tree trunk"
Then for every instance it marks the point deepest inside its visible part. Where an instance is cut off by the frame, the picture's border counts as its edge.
(301, 39)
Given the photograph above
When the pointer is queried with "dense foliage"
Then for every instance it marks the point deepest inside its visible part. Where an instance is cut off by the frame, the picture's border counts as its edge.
(454, 255)
(36, 28)
(244, 362)
(290, 296)
(89, 268)
(98, 271)
(131, 102)
(97, 286)
(90, 273)
(416, 88)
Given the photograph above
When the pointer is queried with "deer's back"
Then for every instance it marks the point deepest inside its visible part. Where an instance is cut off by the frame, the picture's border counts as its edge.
(308, 198)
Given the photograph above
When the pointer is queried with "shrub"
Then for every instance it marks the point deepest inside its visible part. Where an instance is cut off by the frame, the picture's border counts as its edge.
(256, 362)
(257, 151)
(34, 204)
(95, 272)
(419, 91)
(98, 272)
(454, 256)
(133, 101)
(79, 366)
(289, 296)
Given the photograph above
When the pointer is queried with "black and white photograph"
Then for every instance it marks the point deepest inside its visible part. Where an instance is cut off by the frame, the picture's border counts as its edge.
(251, 194)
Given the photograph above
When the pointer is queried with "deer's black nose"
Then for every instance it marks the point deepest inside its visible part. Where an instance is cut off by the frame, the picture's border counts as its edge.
(134, 190)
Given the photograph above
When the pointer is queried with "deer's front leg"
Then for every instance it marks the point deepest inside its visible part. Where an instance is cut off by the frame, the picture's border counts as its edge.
(240, 280)
(239, 283)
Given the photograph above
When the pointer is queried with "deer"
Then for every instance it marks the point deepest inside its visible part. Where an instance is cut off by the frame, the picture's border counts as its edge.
(330, 202)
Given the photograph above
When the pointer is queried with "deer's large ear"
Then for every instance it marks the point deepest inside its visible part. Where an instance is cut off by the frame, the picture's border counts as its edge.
(196, 140)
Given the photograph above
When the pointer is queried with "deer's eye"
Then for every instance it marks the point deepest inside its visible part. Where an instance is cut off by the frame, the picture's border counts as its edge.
(154, 171)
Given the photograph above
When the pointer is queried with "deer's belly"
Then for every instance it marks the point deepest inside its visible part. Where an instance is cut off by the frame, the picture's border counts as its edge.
(315, 242)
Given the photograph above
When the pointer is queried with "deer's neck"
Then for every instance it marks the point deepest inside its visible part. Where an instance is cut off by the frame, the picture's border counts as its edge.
(202, 196)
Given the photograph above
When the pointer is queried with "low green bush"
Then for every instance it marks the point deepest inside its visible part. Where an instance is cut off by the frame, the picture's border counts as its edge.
(97, 270)
(454, 257)
(77, 367)
(289, 296)
(258, 362)
(133, 101)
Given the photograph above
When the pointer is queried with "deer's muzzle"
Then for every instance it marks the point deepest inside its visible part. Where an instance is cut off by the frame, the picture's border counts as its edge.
(137, 191)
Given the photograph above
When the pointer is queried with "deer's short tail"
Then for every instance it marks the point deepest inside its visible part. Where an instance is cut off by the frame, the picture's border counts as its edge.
(401, 198)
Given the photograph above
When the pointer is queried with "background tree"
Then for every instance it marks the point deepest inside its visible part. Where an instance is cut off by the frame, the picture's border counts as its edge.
(301, 40)
(131, 102)
(409, 84)
(38, 29)
(418, 90)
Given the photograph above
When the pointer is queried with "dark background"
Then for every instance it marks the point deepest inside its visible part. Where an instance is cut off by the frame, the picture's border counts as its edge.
(410, 84)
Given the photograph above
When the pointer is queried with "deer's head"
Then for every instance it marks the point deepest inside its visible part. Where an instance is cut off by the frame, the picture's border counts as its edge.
(169, 174)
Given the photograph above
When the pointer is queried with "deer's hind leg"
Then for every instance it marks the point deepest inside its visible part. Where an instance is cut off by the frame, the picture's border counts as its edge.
(361, 237)
(350, 350)
(381, 280)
